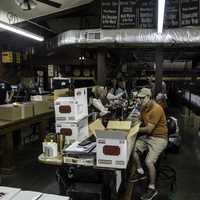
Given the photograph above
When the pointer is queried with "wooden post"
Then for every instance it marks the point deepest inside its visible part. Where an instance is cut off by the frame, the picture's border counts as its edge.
(101, 67)
(159, 70)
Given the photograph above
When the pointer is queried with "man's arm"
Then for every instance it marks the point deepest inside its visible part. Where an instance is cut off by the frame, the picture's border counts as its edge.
(147, 129)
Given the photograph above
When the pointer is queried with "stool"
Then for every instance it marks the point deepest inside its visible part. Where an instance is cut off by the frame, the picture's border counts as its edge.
(165, 172)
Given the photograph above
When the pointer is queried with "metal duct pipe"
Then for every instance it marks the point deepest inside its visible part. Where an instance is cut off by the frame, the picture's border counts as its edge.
(127, 37)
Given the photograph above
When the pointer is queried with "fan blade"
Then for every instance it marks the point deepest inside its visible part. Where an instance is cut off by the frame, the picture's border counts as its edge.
(50, 3)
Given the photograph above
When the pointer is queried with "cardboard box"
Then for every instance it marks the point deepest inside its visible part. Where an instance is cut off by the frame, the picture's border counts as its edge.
(40, 107)
(72, 109)
(73, 131)
(114, 145)
(60, 93)
(10, 112)
(27, 195)
(53, 197)
(49, 99)
(7, 193)
(26, 110)
(42, 98)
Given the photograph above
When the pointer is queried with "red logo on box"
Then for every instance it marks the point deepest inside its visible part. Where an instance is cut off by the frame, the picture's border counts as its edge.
(111, 150)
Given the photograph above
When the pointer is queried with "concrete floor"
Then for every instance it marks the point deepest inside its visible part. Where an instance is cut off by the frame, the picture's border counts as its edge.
(31, 175)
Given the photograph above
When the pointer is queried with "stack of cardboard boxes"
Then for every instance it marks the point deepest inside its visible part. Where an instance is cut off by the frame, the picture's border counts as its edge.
(71, 116)
(39, 104)
(17, 111)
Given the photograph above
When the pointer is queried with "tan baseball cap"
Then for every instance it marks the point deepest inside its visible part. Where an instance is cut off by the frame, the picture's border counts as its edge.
(145, 92)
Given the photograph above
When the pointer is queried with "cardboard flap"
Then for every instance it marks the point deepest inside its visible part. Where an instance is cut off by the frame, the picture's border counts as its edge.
(134, 130)
(64, 99)
(60, 93)
(8, 106)
(119, 125)
(110, 134)
(96, 125)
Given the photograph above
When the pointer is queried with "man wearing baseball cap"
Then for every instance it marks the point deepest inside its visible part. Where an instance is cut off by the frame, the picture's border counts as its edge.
(152, 138)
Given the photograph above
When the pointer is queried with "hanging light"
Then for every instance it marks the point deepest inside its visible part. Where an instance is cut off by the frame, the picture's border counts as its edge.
(20, 31)
(161, 12)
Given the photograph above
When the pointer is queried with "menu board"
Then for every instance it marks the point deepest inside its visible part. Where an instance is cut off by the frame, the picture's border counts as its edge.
(172, 14)
(127, 18)
(147, 14)
(109, 14)
(189, 12)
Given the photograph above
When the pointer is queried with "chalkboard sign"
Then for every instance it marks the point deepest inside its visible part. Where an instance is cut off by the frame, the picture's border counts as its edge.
(147, 14)
(109, 14)
(172, 14)
(189, 12)
(127, 18)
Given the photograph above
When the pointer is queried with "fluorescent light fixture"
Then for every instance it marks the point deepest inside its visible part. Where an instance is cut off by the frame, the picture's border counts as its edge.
(20, 31)
(161, 12)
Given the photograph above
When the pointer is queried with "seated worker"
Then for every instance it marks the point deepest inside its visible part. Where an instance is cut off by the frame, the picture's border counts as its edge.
(152, 137)
(121, 87)
(111, 97)
(99, 100)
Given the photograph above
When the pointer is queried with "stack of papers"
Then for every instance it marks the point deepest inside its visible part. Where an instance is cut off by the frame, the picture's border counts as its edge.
(75, 148)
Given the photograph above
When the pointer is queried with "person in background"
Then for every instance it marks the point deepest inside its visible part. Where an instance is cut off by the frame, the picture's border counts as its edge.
(111, 97)
(152, 138)
(153, 87)
(135, 107)
(99, 101)
(121, 87)
(5, 92)
(161, 100)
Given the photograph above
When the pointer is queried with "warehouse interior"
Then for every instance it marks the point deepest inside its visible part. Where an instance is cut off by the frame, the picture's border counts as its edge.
(82, 82)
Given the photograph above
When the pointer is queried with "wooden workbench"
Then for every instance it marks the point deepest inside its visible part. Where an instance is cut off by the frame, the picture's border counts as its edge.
(6, 135)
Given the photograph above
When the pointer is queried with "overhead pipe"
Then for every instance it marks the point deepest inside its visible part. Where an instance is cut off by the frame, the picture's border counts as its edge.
(127, 37)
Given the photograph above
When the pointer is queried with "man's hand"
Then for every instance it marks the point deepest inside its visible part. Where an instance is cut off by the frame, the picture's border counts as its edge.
(147, 129)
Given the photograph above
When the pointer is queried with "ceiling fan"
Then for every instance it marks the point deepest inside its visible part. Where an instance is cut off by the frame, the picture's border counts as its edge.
(31, 4)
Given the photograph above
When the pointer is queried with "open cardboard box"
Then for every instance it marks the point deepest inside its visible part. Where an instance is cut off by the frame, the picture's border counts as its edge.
(115, 144)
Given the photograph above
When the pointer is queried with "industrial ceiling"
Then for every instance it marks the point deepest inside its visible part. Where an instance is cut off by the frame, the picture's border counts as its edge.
(9, 7)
